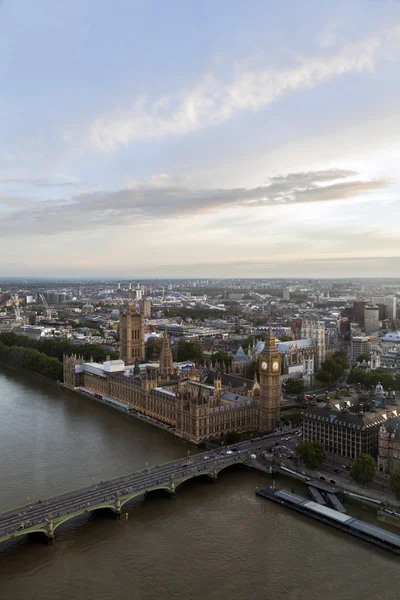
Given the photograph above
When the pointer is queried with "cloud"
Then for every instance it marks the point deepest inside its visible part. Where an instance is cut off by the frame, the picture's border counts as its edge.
(154, 201)
(212, 102)
(42, 183)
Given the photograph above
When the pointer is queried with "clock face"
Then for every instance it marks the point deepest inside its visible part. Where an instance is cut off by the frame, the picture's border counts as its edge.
(264, 365)
(275, 366)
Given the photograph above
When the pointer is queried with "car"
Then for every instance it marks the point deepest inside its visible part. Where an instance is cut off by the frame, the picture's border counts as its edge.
(229, 452)
(322, 478)
(207, 457)
(332, 481)
(253, 456)
(184, 465)
(337, 470)
(235, 449)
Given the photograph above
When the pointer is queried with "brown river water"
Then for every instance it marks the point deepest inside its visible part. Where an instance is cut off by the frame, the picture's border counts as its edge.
(211, 541)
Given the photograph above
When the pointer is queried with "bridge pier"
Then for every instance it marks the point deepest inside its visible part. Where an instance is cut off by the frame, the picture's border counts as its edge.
(50, 531)
(117, 507)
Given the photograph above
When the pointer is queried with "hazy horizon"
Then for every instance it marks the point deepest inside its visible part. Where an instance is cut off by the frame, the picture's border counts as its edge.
(201, 140)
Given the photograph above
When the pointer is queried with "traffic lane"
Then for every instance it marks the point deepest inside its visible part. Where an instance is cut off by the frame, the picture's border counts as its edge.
(144, 478)
(10, 527)
(78, 502)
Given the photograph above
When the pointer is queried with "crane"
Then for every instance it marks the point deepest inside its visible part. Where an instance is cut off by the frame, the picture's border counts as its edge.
(46, 306)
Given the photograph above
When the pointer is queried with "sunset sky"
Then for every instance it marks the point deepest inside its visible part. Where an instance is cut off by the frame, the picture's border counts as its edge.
(196, 138)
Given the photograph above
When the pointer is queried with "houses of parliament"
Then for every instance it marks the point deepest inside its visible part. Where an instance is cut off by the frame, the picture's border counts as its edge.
(196, 403)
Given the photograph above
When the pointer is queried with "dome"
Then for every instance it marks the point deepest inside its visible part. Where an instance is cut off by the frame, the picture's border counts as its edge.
(392, 336)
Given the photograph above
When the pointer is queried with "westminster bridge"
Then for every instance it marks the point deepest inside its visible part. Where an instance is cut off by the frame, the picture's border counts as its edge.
(44, 517)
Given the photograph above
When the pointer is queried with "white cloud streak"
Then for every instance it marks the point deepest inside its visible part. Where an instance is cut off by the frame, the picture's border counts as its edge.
(151, 202)
(213, 102)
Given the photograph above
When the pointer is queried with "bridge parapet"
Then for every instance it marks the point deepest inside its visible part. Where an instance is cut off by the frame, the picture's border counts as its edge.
(115, 493)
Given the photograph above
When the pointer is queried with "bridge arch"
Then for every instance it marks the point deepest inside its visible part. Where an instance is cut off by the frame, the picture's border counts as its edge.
(235, 463)
(206, 474)
(144, 492)
(84, 511)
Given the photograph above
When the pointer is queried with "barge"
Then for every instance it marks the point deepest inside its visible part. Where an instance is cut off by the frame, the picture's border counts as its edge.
(324, 514)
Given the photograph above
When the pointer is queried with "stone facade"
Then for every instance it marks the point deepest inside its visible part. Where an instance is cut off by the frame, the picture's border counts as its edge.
(348, 427)
(315, 330)
(389, 446)
(270, 384)
(131, 335)
(194, 410)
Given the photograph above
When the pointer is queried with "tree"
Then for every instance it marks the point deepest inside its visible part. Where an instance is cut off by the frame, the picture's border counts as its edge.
(32, 320)
(232, 437)
(294, 386)
(323, 376)
(311, 453)
(363, 469)
(188, 351)
(363, 358)
(395, 483)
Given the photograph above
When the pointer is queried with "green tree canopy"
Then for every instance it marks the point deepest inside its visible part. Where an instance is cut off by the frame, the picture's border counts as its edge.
(332, 368)
(395, 483)
(57, 349)
(363, 469)
(33, 360)
(373, 378)
(311, 453)
(294, 386)
(188, 351)
(232, 437)
(363, 357)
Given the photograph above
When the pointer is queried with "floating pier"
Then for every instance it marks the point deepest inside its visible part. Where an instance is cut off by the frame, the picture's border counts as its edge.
(324, 514)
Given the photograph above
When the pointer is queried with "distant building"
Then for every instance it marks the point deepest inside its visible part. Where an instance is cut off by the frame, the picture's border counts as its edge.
(30, 331)
(362, 344)
(392, 337)
(315, 330)
(286, 294)
(371, 318)
(358, 311)
(389, 446)
(146, 309)
(349, 426)
(390, 304)
(88, 309)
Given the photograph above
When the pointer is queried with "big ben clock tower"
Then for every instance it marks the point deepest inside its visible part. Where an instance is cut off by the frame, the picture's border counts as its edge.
(270, 384)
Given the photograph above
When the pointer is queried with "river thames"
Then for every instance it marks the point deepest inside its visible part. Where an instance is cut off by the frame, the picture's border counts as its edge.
(211, 541)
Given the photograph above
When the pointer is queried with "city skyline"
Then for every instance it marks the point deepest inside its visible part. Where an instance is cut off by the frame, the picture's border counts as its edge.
(188, 140)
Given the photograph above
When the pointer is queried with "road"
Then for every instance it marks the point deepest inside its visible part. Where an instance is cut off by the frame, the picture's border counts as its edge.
(106, 493)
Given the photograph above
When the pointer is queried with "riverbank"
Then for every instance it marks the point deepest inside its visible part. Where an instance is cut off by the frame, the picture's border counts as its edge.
(128, 411)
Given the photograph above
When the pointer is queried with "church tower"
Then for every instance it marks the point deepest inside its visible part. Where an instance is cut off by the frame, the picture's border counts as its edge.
(131, 335)
(166, 361)
(270, 384)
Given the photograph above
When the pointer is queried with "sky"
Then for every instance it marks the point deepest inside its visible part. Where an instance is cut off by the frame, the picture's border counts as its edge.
(218, 138)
